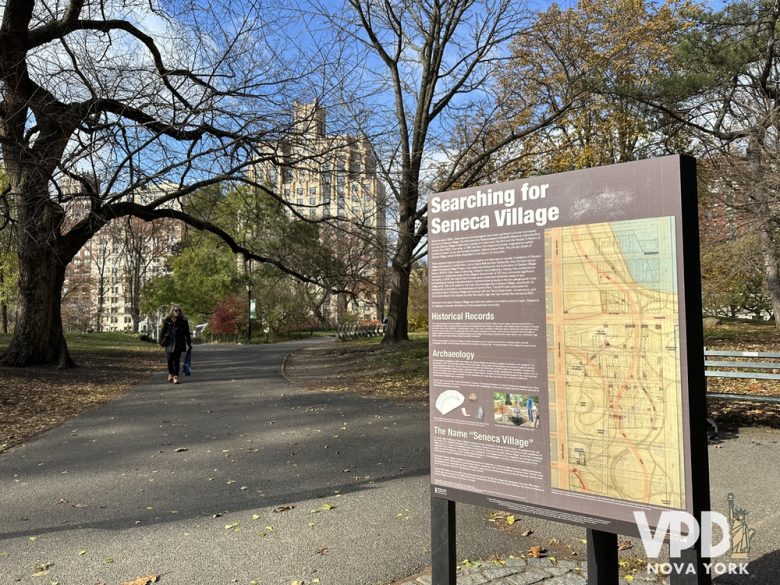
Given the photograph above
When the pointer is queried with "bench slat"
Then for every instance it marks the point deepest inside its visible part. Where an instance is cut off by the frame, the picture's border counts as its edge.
(754, 375)
(708, 352)
(736, 364)
(744, 397)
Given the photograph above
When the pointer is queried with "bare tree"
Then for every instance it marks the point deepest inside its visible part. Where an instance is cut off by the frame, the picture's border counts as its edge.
(150, 103)
(424, 71)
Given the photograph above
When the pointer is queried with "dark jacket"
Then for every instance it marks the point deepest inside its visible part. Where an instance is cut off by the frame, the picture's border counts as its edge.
(175, 335)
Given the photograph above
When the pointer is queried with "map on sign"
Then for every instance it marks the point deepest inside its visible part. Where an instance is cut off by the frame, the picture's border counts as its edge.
(616, 425)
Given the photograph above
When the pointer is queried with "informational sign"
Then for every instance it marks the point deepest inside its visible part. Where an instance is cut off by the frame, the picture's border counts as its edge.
(559, 357)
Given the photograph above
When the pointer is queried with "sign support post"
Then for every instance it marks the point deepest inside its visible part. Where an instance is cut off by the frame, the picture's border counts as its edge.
(602, 558)
(443, 560)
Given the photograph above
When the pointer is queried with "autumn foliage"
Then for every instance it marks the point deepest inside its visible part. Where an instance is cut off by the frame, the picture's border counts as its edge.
(229, 317)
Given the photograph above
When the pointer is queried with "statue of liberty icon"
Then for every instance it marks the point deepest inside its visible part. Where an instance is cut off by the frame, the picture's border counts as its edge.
(741, 534)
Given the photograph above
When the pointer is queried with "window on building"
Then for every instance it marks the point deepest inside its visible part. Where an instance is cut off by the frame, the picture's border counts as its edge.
(355, 210)
(355, 198)
(326, 178)
(287, 175)
(340, 190)
(342, 214)
(312, 201)
(326, 194)
(340, 200)
(299, 191)
(286, 191)
(312, 213)
(312, 190)
(299, 201)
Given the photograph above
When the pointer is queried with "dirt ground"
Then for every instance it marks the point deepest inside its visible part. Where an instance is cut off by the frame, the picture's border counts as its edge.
(396, 372)
(35, 399)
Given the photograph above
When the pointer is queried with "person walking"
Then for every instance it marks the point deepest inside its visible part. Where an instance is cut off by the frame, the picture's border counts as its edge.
(175, 338)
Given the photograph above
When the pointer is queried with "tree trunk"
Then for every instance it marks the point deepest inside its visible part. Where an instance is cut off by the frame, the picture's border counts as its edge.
(3, 307)
(398, 311)
(38, 337)
(771, 272)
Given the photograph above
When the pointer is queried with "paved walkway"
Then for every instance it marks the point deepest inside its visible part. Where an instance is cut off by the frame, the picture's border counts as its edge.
(237, 476)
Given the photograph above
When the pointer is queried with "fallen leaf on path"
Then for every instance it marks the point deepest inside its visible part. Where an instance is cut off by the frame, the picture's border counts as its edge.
(625, 545)
(142, 580)
(322, 550)
(528, 533)
(232, 526)
(536, 551)
(42, 569)
(179, 450)
(510, 520)
(283, 508)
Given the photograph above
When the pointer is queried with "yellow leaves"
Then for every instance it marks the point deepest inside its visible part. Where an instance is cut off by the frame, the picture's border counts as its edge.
(233, 526)
(143, 580)
(42, 569)
(510, 519)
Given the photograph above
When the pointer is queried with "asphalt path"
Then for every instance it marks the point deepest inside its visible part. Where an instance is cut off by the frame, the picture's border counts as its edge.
(238, 475)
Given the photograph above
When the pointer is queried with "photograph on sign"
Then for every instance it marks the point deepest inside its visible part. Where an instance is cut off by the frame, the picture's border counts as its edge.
(558, 304)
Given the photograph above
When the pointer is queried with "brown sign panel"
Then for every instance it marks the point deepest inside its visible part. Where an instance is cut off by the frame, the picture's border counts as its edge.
(559, 368)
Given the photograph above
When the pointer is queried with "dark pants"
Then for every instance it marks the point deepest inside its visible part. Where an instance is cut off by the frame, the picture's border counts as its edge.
(173, 362)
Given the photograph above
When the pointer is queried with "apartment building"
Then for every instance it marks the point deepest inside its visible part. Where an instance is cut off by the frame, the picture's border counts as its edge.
(103, 282)
(334, 176)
